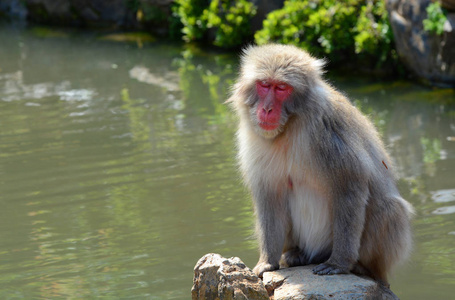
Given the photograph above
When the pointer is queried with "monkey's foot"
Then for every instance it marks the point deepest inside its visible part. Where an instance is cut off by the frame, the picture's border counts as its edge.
(262, 267)
(294, 258)
(329, 269)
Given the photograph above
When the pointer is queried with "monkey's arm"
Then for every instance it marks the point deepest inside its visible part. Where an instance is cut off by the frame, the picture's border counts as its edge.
(346, 168)
(271, 227)
(349, 217)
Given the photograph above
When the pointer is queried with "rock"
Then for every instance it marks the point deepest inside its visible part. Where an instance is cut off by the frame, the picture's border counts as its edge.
(300, 283)
(152, 15)
(100, 13)
(448, 4)
(216, 277)
(428, 55)
(14, 9)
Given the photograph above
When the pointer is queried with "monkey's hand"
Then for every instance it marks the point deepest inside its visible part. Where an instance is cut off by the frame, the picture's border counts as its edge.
(329, 269)
(262, 267)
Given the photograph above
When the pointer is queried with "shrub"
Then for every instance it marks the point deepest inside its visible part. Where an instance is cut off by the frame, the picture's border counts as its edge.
(228, 19)
(335, 29)
(190, 13)
(435, 19)
(231, 20)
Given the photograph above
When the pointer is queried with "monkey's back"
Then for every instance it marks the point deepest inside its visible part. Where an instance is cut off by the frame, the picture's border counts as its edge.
(386, 237)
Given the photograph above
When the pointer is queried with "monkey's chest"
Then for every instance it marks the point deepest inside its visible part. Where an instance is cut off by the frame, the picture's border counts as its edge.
(310, 218)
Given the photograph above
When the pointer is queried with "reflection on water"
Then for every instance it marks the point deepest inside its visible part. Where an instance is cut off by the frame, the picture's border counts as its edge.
(117, 168)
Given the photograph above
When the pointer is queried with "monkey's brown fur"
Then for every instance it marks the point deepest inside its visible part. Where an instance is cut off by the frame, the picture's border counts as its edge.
(321, 191)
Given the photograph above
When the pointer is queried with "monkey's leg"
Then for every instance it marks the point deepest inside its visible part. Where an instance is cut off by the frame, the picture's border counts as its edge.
(387, 237)
(348, 223)
(294, 257)
(271, 227)
(297, 257)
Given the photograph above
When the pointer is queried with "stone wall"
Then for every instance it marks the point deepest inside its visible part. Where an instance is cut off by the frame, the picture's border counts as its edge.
(116, 14)
(429, 56)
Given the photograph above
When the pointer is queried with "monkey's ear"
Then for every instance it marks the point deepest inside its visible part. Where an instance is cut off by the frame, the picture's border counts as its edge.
(230, 100)
(318, 65)
(246, 50)
(238, 91)
(233, 94)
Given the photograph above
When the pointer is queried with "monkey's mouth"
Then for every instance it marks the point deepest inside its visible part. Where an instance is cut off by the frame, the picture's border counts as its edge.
(269, 126)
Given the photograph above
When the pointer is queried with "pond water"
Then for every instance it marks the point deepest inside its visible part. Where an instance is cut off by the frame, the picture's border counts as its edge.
(118, 172)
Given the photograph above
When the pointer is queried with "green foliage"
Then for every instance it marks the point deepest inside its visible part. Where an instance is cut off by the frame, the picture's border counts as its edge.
(232, 20)
(229, 20)
(190, 13)
(175, 24)
(331, 28)
(436, 18)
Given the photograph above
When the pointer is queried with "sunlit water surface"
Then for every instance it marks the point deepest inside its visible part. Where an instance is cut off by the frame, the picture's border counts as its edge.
(117, 167)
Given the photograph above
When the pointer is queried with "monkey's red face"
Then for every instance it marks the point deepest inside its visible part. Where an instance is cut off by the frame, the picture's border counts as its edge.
(272, 95)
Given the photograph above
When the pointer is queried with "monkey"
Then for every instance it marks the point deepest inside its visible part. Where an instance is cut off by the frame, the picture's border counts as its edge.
(319, 175)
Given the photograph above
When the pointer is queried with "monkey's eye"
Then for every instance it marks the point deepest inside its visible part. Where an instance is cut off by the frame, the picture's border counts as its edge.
(282, 87)
(264, 83)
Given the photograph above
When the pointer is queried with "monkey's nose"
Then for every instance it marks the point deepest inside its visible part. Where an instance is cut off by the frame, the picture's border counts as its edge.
(267, 110)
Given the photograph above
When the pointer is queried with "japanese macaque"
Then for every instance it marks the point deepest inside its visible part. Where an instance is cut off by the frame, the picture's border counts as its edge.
(320, 177)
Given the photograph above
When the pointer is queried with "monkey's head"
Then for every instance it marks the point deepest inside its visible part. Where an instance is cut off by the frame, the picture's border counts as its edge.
(274, 83)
